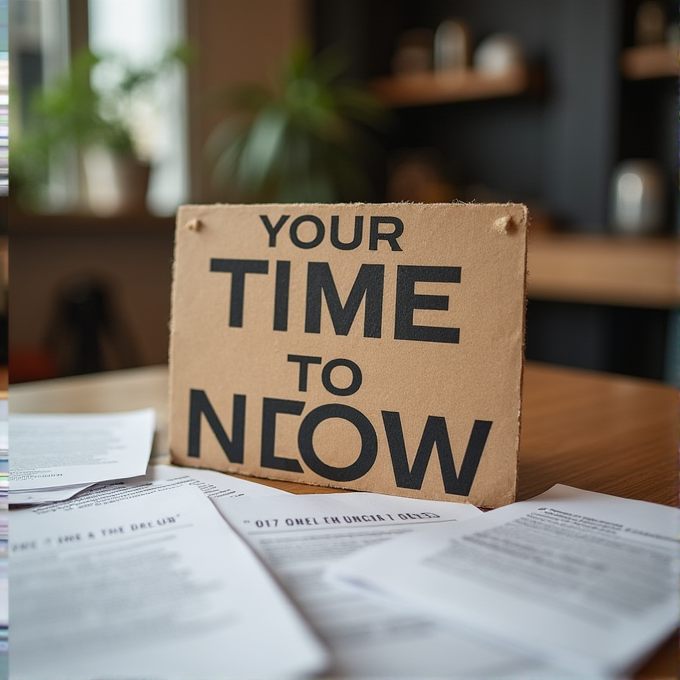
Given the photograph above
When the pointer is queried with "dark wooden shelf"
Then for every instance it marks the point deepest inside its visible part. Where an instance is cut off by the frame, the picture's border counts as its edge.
(613, 270)
(452, 86)
(60, 223)
(650, 61)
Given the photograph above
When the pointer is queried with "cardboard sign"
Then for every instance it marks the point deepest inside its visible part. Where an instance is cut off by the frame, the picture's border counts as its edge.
(368, 347)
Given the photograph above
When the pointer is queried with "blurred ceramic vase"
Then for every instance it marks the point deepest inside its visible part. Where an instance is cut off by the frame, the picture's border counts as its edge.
(497, 54)
(650, 23)
(115, 184)
(638, 198)
(414, 52)
(451, 46)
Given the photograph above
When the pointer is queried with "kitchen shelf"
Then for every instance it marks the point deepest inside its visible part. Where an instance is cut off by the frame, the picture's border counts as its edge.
(610, 270)
(650, 61)
(62, 223)
(450, 86)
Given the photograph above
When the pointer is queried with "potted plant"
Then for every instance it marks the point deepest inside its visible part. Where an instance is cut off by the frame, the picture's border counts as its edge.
(98, 122)
(299, 141)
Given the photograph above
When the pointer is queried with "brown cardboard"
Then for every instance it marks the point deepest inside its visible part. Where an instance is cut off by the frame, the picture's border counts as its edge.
(266, 382)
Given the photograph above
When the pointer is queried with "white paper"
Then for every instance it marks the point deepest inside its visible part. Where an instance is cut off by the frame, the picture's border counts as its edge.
(59, 450)
(298, 536)
(4, 613)
(39, 496)
(160, 478)
(590, 581)
(156, 587)
(4, 411)
(4, 600)
(212, 483)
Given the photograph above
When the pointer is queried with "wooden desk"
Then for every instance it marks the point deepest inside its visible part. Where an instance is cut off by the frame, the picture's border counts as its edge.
(594, 431)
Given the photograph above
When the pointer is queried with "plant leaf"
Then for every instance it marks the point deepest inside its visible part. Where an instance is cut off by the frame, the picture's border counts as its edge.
(262, 145)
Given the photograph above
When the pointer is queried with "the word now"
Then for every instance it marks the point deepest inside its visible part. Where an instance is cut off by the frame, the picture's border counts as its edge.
(407, 476)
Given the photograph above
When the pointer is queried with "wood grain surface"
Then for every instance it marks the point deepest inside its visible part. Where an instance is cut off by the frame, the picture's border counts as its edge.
(636, 272)
(595, 431)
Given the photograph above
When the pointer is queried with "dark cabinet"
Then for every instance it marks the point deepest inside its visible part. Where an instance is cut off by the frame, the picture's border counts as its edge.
(591, 98)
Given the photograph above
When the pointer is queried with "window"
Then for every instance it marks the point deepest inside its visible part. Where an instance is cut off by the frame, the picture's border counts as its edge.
(141, 31)
(4, 99)
(38, 53)
(137, 31)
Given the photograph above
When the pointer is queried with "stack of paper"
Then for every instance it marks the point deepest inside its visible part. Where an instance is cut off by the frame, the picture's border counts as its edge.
(584, 581)
(142, 577)
(4, 450)
(151, 586)
(300, 536)
(158, 479)
(4, 533)
(56, 456)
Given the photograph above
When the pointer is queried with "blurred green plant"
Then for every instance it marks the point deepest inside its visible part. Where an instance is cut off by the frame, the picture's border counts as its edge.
(303, 140)
(74, 112)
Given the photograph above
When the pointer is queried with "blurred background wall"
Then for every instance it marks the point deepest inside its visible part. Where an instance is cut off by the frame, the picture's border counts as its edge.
(65, 259)
(486, 100)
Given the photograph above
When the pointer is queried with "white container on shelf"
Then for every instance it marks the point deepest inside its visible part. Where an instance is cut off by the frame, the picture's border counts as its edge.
(637, 198)
(451, 46)
(498, 54)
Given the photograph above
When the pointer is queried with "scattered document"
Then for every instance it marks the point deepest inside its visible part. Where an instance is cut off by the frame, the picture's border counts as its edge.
(4, 531)
(66, 450)
(53, 495)
(299, 536)
(4, 456)
(587, 580)
(4, 411)
(158, 479)
(212, 483)
(157, 586)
